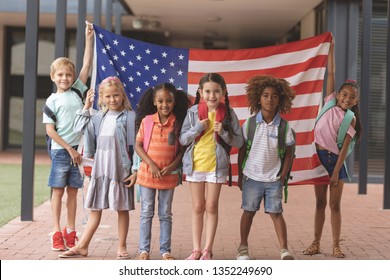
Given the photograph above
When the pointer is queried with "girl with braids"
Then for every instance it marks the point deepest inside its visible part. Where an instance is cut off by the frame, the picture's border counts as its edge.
(263, 174)
(209, 130)
(160, 114)
(332, 156)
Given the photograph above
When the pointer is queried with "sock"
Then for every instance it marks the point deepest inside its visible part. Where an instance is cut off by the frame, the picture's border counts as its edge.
(68, 230)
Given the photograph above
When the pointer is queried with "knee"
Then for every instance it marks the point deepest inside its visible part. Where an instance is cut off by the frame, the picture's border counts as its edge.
(276, 216)
(211, 208)
(249, 215)
(198, 209)
(147, 211)
(335, 206)
(321, 204)
(71, 191)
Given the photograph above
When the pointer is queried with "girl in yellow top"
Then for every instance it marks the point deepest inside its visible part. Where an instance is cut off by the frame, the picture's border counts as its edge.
(209, 130)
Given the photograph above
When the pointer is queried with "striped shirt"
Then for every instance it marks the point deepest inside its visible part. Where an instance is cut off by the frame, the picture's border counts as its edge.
(160, 152)
(263, 162)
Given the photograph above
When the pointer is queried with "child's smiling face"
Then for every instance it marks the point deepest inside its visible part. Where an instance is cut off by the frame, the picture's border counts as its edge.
(164, 100)
(113, 98)
(211, 93)
(347, 97)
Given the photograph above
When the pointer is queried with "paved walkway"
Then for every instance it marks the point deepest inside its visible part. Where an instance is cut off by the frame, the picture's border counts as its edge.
(365, 229)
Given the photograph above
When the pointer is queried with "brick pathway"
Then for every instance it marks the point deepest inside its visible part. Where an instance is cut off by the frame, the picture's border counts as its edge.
(365, 228)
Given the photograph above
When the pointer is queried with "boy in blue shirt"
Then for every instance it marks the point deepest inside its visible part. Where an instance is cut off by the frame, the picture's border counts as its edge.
(64, 173)
(263, 175)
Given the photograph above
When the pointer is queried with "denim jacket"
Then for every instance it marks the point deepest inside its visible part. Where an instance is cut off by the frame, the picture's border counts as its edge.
(124, 132)
(192, 128)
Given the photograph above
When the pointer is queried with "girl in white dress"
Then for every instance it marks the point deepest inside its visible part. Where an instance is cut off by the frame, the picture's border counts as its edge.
(109, 139)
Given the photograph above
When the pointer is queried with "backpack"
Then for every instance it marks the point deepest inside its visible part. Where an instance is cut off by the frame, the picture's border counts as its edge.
(203, 114)
(347, 120)
(282, 134)
(46, 110)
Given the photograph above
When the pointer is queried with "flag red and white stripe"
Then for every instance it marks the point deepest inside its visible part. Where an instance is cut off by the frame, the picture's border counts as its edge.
(302, 63)
(140, 65)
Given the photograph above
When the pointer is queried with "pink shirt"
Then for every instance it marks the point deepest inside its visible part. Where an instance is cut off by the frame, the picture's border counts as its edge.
(327, 127)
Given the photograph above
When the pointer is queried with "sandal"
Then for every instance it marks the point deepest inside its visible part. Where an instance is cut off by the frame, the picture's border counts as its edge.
(167, 257)
(72, 253)
(337, 253)
(313, 249)
(195, 255)
(122, 255)
(206, 255)
(144, 256)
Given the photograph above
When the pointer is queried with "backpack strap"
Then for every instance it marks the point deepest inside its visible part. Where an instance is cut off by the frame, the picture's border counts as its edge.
(49, 113)
(282, 134)
(78, 92)
(326, 107)
(203, 114)
(130, 133)
(148, 130)
(250, 134)
(348, 117)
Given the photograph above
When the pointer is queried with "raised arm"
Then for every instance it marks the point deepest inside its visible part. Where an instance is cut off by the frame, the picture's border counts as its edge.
(331, 69)
(87, 60)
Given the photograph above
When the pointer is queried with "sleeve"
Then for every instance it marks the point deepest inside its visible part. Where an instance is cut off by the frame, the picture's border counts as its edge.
(89, 133)
(237, 140)
(140, 133)
(46, 119)
(188, 132)
(351, 131)
(82, 119)
(80, 86)
(244, 133)
(136, 162)
(329, 97)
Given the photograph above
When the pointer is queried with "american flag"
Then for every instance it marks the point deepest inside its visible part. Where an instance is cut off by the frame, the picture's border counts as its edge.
(140, 65)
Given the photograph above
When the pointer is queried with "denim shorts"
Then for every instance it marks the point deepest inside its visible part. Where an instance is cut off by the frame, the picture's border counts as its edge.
(329, 160)
(253, 193)
(209, 177)
(62, 173)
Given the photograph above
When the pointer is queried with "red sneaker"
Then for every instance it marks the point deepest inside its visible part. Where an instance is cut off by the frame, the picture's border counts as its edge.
(69, 238)
(57, 242)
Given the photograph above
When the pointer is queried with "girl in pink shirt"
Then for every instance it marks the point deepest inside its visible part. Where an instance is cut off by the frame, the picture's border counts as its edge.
(331, 157)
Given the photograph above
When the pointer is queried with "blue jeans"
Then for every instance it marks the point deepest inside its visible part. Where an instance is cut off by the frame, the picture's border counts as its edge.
(254, 191)
(165, 198)
(62, 173)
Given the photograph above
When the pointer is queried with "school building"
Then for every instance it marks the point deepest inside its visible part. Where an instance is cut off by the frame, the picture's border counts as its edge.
(360, 28)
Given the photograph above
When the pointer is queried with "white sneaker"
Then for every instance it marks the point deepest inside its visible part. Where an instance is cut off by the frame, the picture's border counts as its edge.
(243, 253)
(286, 255)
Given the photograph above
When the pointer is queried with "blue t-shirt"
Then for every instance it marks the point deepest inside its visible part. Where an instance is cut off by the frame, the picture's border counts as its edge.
(64, 106)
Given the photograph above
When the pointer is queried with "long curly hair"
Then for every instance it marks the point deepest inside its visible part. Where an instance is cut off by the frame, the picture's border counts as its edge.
(355, 109)
(146, 106)
(255, 88)
(217, 78)
(115, 82)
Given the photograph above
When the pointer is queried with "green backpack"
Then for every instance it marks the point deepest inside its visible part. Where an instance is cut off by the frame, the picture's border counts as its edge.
(282, 134)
